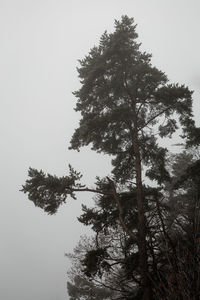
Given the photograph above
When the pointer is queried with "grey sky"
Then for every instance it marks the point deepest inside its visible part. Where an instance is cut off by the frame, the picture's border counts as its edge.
(41, 41)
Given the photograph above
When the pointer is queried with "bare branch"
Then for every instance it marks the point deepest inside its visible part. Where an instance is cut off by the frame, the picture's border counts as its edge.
(89, 190)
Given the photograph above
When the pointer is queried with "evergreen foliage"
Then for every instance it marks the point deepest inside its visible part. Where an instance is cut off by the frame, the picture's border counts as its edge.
(121, 92)
(146, 239)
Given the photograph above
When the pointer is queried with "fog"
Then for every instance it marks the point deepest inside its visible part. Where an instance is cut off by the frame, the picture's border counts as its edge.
(41, 42)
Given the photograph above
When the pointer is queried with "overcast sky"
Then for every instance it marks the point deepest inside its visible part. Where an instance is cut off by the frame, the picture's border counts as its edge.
(41, 41)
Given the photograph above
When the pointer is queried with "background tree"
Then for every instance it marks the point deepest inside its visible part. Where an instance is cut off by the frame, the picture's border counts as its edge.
(79, 285)
(82, 288)
(185, 201)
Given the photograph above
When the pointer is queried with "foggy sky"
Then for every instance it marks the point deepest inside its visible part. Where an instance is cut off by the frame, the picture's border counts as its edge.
(41, 41)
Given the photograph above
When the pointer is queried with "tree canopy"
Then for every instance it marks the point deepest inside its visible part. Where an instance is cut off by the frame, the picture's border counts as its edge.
(121, 93)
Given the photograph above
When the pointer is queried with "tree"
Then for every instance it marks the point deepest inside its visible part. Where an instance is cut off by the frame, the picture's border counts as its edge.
(80, 286)
(123, 99)
(181, 229)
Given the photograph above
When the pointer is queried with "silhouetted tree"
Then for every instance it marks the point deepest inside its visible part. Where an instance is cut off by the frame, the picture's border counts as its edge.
(123, 99)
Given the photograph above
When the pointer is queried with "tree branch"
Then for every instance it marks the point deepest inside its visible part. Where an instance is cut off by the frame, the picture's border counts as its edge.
(89, 190)
(129, 232)
(154, 117)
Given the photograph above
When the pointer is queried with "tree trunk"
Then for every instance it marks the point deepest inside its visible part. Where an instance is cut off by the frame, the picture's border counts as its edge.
(143, 259)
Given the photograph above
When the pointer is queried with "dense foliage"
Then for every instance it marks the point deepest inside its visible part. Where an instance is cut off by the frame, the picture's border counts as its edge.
(173, 224)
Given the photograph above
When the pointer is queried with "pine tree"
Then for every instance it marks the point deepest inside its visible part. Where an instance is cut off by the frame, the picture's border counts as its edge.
(123, 99)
